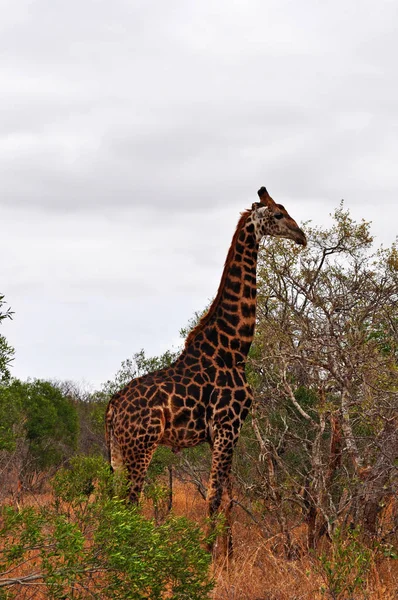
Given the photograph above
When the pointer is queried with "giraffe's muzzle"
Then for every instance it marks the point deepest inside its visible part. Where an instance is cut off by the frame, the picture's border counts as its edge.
(300, 237)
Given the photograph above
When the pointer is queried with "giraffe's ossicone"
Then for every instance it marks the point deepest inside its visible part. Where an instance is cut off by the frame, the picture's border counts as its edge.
(203, 396)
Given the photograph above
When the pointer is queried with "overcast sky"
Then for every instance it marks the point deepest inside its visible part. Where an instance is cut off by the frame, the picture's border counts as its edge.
(132, 133)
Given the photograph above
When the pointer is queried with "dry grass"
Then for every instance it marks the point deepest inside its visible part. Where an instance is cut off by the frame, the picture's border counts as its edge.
(259, 571)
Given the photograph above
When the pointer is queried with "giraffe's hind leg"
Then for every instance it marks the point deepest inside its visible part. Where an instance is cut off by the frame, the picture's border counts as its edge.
(137, 463)
(132, 444)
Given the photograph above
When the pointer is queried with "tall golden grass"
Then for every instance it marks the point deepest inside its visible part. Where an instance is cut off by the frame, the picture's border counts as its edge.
(259, 570)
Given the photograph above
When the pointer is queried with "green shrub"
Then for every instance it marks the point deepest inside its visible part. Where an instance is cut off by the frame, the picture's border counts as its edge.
(88, 543)
(345, 567)
(43, 417)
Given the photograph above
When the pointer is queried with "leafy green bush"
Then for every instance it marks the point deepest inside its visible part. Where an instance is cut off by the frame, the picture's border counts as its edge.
(90, 544)
(345, 567)
(50, 425)
(10, 416)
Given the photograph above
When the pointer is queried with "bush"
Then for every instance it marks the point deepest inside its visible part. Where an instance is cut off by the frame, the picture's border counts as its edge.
(42, 419)
(90, 544)
(345, 567)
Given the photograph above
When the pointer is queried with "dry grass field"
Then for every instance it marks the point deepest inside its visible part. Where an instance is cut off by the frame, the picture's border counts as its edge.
(259, 570)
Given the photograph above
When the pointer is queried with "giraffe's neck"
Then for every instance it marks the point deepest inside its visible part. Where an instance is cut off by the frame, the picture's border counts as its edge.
(229, 324)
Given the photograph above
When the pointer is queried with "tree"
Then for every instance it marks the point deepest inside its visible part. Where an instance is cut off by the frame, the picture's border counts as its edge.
(41, 427)
(324, 368)
(90, 407)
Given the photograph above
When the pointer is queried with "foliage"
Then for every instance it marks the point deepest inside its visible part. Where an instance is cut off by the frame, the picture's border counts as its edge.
(90, 407)
(10, 416)
(345, 567)
(88, 544)
(51, 421)
(39, 424)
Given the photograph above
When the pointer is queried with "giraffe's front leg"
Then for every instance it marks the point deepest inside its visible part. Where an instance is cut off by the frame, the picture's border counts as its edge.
(219, 494)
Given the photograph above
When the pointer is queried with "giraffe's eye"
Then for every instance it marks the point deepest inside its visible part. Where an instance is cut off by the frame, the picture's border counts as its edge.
(279, 216)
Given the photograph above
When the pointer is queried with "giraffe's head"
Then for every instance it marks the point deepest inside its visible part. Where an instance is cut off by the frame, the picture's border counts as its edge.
(273, 219)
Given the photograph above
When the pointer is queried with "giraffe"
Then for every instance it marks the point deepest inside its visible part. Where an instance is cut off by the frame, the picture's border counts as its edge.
(203, 396)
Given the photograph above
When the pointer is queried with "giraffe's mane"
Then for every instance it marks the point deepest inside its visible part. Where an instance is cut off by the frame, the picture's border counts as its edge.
(214, 305)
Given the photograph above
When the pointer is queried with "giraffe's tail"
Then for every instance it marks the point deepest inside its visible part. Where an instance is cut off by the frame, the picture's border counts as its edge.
(114, 453)
(108, 430)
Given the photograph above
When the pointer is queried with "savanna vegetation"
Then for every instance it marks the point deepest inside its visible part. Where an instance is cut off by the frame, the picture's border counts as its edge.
(315, 471)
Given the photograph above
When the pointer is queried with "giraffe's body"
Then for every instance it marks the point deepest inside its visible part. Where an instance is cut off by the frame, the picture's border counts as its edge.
(203, 396)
